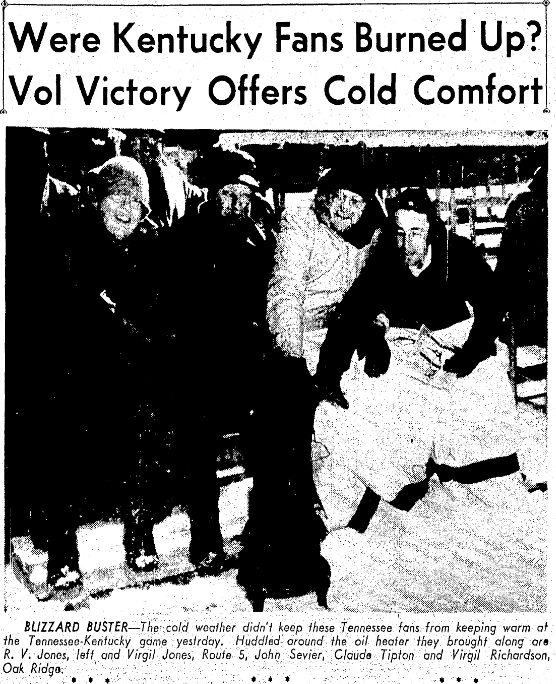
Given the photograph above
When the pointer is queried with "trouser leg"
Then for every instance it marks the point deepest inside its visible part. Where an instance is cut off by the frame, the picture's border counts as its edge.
(194, 464)
(55, 507)
(145, 441)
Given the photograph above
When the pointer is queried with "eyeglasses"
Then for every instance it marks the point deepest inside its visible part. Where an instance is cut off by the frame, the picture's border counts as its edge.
(412, 233)
(125, 200)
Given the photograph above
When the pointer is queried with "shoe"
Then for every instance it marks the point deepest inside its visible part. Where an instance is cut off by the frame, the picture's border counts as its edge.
(211, 564)
(206, 549)
(63, 560)
(64, 578)
(140, 549)
(142, 562)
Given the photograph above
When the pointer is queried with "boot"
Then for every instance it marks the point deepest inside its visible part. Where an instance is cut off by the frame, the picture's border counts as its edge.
(63, 560)
(140, 549)
(206, 550)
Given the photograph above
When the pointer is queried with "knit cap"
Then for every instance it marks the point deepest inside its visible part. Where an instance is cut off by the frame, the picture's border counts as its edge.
(122, 175)
(345, 178)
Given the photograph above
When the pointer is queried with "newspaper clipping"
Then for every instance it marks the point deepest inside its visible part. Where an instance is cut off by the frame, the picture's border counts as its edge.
(275, 342)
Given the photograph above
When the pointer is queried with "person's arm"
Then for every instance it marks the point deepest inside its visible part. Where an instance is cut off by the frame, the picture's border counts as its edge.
(476, 281)
(359, 324)
(286, 291)
(512, 248)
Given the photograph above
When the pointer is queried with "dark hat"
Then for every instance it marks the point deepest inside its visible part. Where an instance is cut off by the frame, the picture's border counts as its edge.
(418, 200)
(217, 168)
(243, 179)
(540, 179)
(353, 179)
(412, 199)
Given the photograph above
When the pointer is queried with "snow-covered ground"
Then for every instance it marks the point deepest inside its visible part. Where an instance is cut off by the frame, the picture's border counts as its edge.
(462, 548)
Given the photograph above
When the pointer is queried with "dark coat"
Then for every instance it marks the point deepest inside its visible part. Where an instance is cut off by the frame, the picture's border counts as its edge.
(522, 270)
(240, 258)
(40, 343)
(437, 298)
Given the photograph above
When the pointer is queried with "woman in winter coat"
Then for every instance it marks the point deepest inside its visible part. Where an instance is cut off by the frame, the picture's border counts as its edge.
(136, 356)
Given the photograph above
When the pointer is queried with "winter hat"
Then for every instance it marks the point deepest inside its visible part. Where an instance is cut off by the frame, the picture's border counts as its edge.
(244, 179)
(121, 175)
(418, 200)
(412, 199)
(346, 178)
(216, 168)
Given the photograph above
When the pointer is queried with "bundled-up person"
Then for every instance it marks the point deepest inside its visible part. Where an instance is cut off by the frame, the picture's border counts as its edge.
(140, 367)
(424, 393)
(238, 227)
(40, 450)
(522, 268)
(320, 251)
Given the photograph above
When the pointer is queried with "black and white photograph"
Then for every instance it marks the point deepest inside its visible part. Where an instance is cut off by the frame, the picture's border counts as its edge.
(275, 370)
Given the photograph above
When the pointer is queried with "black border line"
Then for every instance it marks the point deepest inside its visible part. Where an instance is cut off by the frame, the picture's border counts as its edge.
(5, 4)
(546, 3)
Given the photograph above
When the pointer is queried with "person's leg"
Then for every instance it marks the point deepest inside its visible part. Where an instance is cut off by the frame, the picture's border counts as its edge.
(54, 513)
(194, 461)
(145, 444)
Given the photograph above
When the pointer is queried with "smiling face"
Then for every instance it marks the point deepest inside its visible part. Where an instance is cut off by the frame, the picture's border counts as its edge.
(345, 208)
(122, 212)
(412, 235)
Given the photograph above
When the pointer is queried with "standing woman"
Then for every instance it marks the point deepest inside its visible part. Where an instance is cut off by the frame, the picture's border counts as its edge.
(133, 363)
(116, 270)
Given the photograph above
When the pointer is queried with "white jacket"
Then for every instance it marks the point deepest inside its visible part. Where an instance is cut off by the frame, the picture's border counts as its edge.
(314, 268)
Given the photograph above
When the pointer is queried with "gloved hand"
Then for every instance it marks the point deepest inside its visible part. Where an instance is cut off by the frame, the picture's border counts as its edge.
(463, 362)
(333, 394)
(375, 350)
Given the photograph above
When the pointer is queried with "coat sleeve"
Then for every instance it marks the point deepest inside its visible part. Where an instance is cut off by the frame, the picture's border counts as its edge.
(352, 325)
(478, 283)
(286, 292)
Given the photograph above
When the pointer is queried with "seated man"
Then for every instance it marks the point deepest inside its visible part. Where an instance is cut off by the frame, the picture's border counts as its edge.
(444, 403)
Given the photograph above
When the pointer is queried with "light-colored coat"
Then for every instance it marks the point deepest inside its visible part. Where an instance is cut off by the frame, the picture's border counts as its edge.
(314, 268)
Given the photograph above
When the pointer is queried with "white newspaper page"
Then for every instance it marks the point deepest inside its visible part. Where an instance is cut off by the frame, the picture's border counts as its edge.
(275, 342)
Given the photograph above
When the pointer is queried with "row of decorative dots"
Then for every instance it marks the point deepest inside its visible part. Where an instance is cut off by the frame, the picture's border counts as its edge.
(287, 679)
